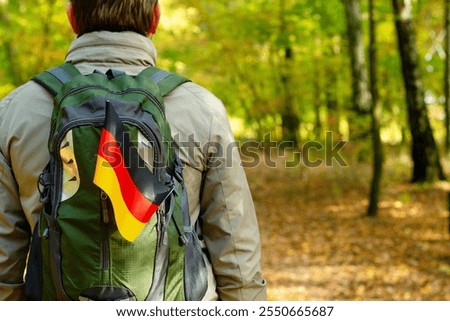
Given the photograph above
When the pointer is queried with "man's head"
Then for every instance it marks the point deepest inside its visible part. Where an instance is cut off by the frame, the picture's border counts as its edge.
(141, 16)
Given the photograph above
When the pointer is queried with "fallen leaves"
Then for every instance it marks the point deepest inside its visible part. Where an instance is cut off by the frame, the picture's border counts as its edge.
(319, 245)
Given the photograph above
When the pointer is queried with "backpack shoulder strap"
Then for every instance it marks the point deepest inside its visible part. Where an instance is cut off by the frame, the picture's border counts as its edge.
(54, 79)
(165, 80)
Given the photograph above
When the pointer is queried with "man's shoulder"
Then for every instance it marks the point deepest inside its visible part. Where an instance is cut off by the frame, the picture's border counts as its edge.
(28, 101)
(29, 91)
(196, 97)
(24, 113)
(193, 110)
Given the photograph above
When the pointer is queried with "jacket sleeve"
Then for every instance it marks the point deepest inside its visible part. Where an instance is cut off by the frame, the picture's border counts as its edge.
(14, 228)
(23, 129)
(228, 219)
(14, 237)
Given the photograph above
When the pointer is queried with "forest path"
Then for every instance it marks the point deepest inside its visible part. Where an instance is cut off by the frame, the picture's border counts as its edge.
(318, 244)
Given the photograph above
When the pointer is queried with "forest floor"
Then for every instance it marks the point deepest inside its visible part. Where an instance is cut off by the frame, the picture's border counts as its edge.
(318, 243)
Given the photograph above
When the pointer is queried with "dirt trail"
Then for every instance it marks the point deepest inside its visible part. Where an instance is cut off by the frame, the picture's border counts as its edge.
(318, 245)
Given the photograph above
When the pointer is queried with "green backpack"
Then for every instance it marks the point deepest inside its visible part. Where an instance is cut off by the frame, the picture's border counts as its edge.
(115, 221)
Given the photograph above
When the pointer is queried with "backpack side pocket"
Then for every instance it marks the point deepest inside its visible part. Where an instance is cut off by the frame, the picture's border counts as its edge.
(195, 272)
(33, 279)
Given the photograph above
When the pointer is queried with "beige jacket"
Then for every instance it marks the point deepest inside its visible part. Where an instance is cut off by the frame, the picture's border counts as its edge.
(219, 196)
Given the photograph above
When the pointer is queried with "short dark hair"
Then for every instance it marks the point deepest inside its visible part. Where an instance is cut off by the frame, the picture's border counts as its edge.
(113, 15)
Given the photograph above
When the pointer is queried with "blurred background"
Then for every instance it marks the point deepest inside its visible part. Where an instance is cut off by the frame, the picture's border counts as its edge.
(341, 109)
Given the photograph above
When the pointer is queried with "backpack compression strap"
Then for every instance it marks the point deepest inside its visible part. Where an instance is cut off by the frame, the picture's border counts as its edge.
(53, 79)
(165, 80)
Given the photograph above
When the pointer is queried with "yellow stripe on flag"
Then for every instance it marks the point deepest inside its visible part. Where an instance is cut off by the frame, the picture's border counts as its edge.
(105, 178)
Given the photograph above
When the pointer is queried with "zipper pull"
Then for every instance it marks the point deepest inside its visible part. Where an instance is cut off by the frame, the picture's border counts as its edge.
(162, 229)
(104, 198)
(162, 220)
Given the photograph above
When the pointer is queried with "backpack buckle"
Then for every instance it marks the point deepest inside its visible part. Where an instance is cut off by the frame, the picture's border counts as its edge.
(183, 240)
(44, 186)
(178, 172)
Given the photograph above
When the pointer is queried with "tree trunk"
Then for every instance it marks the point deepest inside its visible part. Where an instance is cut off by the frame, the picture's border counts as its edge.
(376, 111)
(317, 101)
(447, 76)
(332, 103)
(425, 155)
(361, 93)
(361, 100)
(289, 118)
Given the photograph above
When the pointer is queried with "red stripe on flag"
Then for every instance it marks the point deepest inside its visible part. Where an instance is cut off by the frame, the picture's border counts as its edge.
(139, 206)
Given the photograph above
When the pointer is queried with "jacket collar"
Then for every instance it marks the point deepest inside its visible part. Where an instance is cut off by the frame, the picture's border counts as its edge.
(104, 49)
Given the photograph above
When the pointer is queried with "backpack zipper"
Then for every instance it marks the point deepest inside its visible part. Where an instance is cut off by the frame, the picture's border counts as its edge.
(67, 94)
(161, 226)
(147, 93)
(97, 122)
(105, 251)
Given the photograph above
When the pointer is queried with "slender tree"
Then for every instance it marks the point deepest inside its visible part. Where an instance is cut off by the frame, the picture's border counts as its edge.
(332, 101)
(376, 110)
(317, 100)
(359, 118)
(447, 75)
(425, 154)
(289, 118)
(361, 92)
